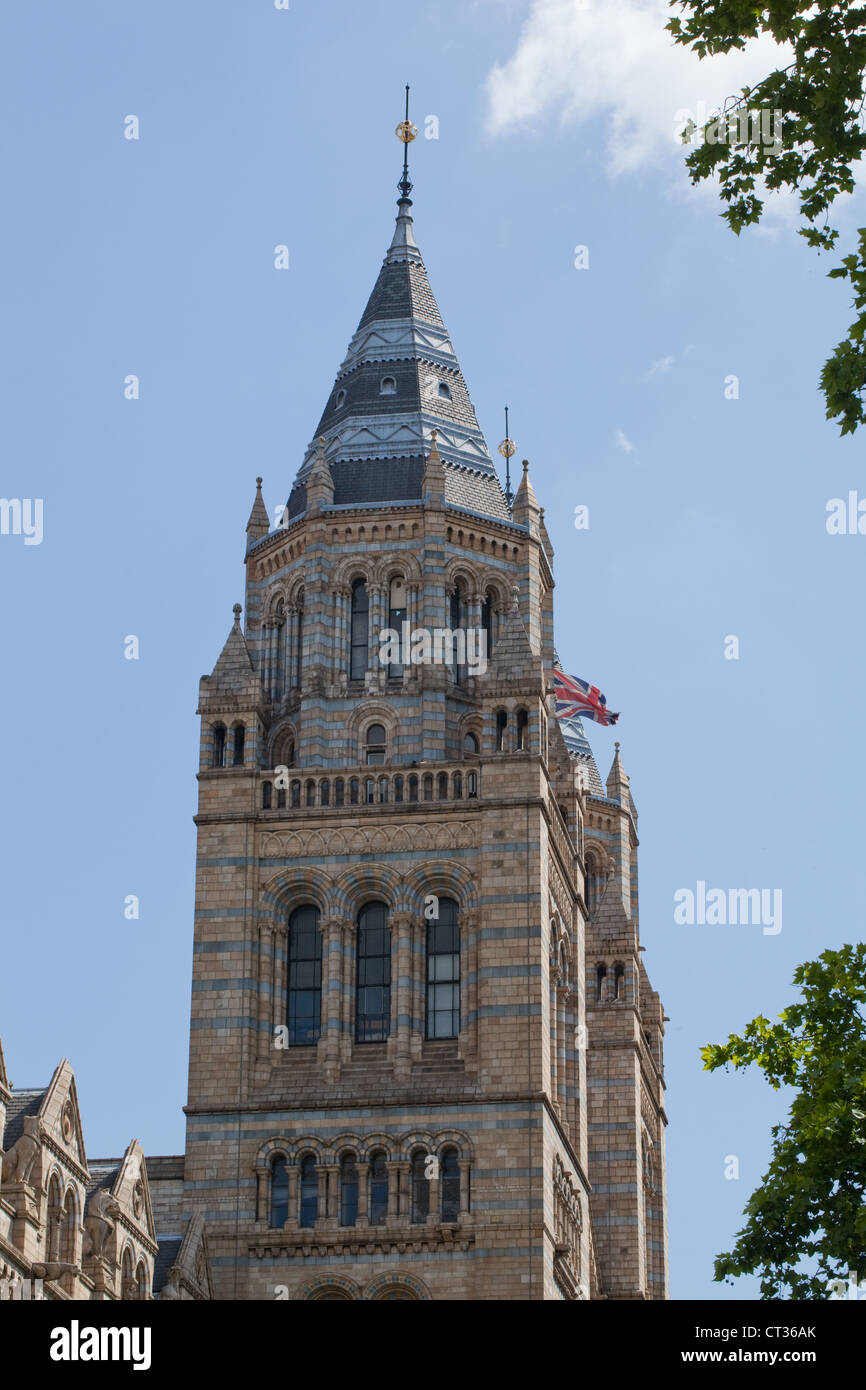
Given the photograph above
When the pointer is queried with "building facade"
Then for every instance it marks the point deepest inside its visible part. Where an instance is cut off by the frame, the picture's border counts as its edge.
(426, 1060)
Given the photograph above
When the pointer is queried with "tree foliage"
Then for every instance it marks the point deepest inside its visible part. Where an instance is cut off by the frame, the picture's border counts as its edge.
(820, 95)
(811, 1205)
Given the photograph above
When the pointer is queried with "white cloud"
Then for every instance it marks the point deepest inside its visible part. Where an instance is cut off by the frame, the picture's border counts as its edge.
(614, 61)
(623, 442)
(663, 364)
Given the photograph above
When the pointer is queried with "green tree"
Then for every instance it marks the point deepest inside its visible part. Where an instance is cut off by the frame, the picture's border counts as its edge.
(811, 1205)
(820, 96)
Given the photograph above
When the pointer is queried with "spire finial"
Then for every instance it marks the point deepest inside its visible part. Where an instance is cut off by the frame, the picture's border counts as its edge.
(515, 599)
(616, 746)
(406, 132)
(237, 610)
(508, 449)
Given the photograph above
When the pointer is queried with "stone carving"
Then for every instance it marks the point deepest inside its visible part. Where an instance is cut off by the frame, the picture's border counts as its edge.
(377, 840)
(99, 1222)
(53, 1269)
(19, 1163)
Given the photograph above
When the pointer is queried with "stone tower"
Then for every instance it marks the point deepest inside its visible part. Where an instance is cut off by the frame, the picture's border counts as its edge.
(425, 1057)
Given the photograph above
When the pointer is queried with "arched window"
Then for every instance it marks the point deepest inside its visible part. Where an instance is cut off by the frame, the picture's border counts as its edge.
(304, 977)
(449, 1185)
(458, 610)
(309, 1191)
(311, 792)
(141, 1280)
(472, 785)
(127, 1282)
(470, 744)
(600, 973)
(413, 788)
(219, 745)
(55, 1218)
(339, 792)
(354, 788)
(267, 795)
(383, 790)
(396, 618)
(348, 1190)
(369, 791)
(388, 386)
(428, 786)
(359, 637)
(442, 786)
(376, 744)
(443, 972)
(341, 396)
(373, 988)
(70, 1224)
(522, 727)
(325, 793)
(619, 982)
(398, 788)
(279, 1213)
(420, 1188)
(289, 759)
(445, 390)
(281, 798)
(501, 726)
(487, 620)
(592, 883)
(299, 641)
(458, 786)
(240, 734)
(296, 795)
(378, 1189)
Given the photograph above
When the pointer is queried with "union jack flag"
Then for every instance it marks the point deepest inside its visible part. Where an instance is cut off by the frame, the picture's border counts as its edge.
(574, 697)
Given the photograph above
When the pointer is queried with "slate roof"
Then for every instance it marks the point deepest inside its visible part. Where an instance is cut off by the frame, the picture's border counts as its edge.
(23, 1102)
(167, 1253)
(376, 441)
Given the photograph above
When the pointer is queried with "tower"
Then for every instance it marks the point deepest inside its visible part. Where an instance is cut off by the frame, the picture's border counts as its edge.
(395, 1025)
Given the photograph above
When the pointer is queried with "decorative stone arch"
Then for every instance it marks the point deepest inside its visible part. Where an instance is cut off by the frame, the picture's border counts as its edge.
(320, 1287)
(403, 565)
(309, 1144)
(365, 713)
(373, 1143)
(500, 584)
(447, 879)
(291, 888)
(352, 567)
(472, 723)
(279, 739)
(415, 1139)
(275, 605)
(344, 1144)
(271, 1150)
(455, 1139)
(383, 1284)
(358, 884)
(294, 590)
(459, 569)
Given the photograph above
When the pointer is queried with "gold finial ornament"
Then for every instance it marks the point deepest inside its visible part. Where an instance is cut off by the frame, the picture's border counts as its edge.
(508, 448)
(406, 132)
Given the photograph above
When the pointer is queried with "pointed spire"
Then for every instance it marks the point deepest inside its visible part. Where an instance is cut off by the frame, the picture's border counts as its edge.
(508, 449)
(320, 484)
(234, 669)
(433, 482)
(513, 657)
(526, 508)
(545, 538)
(259, 523)
(617, 779)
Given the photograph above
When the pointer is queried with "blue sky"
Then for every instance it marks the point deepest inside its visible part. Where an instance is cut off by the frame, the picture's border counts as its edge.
(707, 515)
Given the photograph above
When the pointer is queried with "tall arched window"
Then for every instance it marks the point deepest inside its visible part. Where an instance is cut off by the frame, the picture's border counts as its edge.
(487, 620)
(299, 642)
(376, 744)
(619, 982)
(600, 974)
(239, 740)
(501, 726)
(279, 1194)
(359, 637)
(304, 977)
(378, 1178)
(219, 745)
(420, 1188)
(309, 1191)
(348, 1190)
(522, 728)
(396, 618)
(443, 972)
(458, 611)
(470, 744)
(275, 652)
(449, 1185)
(373, 989)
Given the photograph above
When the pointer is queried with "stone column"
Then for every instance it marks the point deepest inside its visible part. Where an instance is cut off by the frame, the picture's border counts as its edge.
(332, 988)
(433, 1203)
(401, 930)
(465, 1188)
(375, 624)
(329, 1179)
(279, 982)
(293, 1175)
(363, 1220)
(262, 1194)
(469, 997)
(348, 960)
